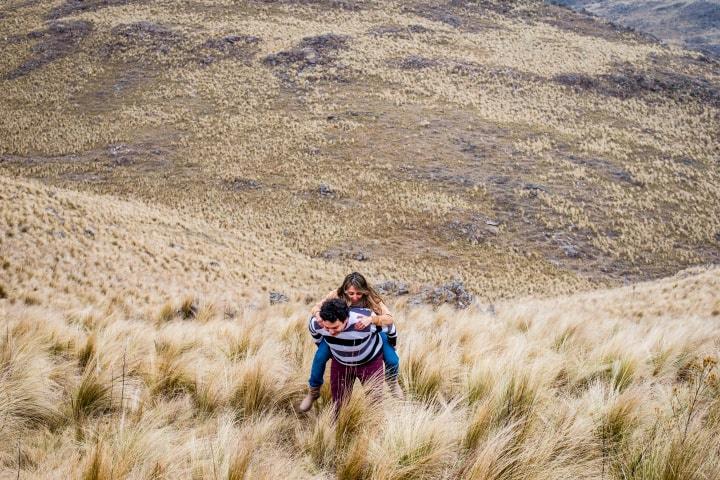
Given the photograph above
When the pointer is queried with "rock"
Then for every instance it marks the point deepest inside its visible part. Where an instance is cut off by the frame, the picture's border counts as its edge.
(239, 184)
(398, 31)
(360, 256)
(238, 47)
(350, 254)
(534, 186)
(320, 49)
(278, 297)
(453, 293)
(626, 177)
(144, 35)
(392, 287)
(475, 231)
(571, 251)
(415, 62)
(75, 7)
(325, 191)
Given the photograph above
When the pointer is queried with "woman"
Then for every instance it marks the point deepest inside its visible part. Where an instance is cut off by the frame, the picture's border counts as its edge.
(356, 292)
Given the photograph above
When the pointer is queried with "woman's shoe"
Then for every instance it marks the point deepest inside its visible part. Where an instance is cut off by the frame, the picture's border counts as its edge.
(307, 402)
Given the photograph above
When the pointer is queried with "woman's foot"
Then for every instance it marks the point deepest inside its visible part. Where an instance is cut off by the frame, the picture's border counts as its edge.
(307, 402)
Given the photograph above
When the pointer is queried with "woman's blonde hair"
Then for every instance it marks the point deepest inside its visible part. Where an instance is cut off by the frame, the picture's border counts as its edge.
(371, 298)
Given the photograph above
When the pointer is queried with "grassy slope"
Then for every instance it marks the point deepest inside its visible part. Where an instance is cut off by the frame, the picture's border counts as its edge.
(139, 340)
(101, 379)
(392, 130)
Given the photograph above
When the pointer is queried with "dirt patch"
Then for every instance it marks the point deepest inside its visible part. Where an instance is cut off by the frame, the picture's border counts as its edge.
(239, 184)
(59, 40)
(413, 62)
(476, 230)
(312, 53)
(236, 47)
(589, 25)
(146, 35)
(396, 31)
(74, 7)
(629, 82)
(348, 5)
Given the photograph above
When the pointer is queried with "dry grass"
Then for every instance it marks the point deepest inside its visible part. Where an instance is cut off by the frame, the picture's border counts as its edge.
(467, 93)
(615, 383)
(137, 338)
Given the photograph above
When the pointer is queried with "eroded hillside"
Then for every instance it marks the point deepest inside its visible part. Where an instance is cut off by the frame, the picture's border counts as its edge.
(515, 146)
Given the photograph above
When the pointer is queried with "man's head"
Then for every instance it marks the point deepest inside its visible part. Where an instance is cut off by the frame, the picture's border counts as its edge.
(334, 314)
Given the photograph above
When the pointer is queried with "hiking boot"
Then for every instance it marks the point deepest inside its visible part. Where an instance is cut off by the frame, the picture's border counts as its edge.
(395, 390)
(307, 402)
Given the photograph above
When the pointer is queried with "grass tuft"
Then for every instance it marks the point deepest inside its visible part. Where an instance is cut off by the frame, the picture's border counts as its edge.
(91, 397)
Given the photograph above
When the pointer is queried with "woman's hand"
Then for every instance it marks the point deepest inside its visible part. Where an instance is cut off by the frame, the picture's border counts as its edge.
(362, 322)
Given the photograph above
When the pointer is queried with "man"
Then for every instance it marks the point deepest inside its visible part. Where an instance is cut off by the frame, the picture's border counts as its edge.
(356, 348)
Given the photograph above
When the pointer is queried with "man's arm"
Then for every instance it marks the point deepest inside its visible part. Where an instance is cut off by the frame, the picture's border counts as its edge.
(314, 328)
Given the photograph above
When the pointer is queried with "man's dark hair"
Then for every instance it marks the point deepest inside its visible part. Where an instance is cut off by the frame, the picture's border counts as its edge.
(334, 310)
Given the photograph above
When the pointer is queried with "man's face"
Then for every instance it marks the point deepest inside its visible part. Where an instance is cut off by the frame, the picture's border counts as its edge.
(334, 327)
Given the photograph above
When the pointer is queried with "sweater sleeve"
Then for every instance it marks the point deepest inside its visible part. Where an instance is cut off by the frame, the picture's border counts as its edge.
(314, 328)
(385, 317)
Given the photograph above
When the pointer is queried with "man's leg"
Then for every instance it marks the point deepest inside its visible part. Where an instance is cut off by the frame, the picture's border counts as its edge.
(370, 375)
(341, 382)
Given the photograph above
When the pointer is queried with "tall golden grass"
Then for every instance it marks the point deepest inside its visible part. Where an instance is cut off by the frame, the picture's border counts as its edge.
(615, 384)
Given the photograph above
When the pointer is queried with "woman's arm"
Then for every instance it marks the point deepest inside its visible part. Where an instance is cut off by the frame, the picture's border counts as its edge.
(384, 318)
(315, 311)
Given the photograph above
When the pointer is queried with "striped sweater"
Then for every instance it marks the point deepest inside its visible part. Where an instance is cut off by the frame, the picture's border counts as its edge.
(353, 347)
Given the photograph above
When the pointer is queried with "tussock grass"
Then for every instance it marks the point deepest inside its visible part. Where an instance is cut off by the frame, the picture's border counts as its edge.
(416, 442)
(613, 383)
(213, 398)
(92, 396)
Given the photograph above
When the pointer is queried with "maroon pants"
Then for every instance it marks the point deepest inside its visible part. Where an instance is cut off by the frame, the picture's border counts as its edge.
(343, 377)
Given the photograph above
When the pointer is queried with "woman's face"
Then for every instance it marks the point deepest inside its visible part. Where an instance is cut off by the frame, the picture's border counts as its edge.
(353, 294)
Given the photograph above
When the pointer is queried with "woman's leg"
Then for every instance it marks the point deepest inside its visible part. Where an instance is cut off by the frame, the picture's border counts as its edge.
(317, 371)
(390, 356)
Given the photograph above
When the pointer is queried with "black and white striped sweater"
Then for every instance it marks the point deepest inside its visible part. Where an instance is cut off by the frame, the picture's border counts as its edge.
(353, 347)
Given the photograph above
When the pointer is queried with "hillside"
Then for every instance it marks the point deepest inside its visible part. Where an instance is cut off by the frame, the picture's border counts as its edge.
(181, 179)
(516, 146)
(692, 24)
